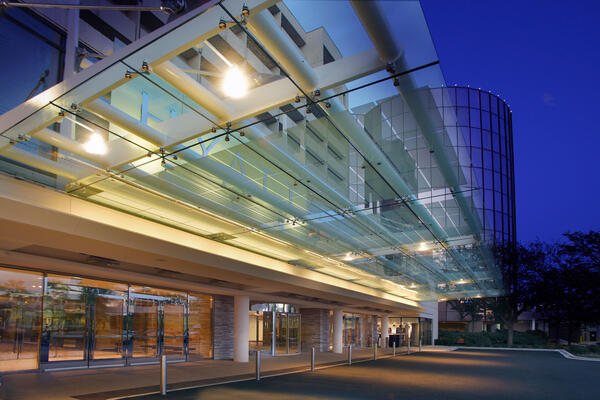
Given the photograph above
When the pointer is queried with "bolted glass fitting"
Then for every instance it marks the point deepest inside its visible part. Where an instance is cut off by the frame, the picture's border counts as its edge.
(145, 67)
(128, 75)
(245, 10)
(222, 24)
(297, 99)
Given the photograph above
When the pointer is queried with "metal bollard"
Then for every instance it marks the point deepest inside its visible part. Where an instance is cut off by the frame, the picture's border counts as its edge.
(394, 347)
(163, 375)
(350, 354)
(420, 345)
(258, 365)
(312, 360)
(409, 346)
(374, 351)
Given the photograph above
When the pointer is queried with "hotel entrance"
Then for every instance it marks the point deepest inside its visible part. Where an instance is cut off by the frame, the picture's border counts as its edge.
(54, 322)
(275, 328)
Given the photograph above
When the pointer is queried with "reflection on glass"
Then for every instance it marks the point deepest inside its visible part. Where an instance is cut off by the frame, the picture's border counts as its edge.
(173, 328)
(294, 333)
(64, 317)
(281, 335)
(20, 319)
(108, 327)
(200, 326)
(261, 330)
(145, 327)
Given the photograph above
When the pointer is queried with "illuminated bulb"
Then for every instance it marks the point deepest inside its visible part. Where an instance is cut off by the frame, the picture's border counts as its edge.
(422, 246)
(235, 84)
(95, 144)
(348, 257)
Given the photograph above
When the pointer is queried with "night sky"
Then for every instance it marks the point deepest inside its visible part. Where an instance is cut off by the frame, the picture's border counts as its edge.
(543, 57)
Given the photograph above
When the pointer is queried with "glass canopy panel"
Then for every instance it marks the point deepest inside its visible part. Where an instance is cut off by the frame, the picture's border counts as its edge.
(360, 182)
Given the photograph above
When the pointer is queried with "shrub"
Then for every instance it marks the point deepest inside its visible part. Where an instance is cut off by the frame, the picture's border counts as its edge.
(536, 339)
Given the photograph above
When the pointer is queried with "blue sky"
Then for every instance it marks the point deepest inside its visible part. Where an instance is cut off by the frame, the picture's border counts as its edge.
(543, 57)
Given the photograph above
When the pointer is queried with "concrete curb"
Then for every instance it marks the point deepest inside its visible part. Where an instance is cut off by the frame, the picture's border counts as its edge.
(562, 352)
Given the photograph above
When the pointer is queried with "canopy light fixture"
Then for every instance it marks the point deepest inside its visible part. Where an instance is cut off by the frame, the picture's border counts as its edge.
(95, 144)
(422, 247)
(235, 83)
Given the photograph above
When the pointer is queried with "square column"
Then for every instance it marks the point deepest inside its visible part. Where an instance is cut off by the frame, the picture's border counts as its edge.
(241, 323)
(338, 330)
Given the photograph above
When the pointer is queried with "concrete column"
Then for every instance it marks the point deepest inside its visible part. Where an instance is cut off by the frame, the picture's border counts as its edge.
(338, 330)
(241, 322)
(385, 324)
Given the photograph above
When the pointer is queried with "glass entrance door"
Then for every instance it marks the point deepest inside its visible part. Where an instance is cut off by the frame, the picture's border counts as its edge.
(157, 327)
(83, 323)
(107, 330)
(144, 334)
(281, 333)
(293, 333)
(287, 333)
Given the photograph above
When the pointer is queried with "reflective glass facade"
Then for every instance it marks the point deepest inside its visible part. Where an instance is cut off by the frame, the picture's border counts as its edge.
(54, 321)
(482, 124)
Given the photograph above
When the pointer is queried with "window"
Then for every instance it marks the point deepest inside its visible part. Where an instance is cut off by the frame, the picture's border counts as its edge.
(293, 34)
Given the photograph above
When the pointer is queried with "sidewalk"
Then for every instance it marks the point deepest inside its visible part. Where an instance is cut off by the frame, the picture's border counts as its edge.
(107, 383)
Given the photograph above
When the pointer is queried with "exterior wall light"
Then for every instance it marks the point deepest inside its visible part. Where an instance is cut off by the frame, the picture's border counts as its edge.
(95, 144)
(235, 84)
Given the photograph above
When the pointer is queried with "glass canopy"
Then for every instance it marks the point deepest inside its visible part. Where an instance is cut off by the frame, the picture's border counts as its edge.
(278, 132)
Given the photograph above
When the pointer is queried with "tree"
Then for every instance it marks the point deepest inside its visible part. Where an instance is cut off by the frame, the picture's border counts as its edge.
(569, 289)
(469, 307)
(520, 267)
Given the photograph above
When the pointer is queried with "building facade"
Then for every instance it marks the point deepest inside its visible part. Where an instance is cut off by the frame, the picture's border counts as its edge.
(219, 180)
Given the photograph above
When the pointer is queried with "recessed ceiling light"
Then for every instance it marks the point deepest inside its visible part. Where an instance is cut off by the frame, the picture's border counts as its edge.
(235, 83)
(95, 144)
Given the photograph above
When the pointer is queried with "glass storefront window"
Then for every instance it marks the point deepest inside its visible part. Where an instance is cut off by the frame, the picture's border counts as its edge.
(65, 309)
(20, 319)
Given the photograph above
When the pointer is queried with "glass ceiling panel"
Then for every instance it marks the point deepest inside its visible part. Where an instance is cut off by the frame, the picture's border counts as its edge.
(349, 182)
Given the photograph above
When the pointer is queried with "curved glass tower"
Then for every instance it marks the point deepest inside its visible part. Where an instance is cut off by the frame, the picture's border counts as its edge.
(484, 122)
